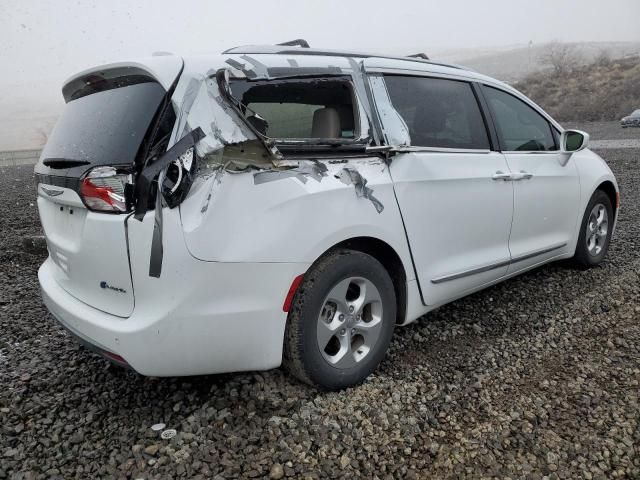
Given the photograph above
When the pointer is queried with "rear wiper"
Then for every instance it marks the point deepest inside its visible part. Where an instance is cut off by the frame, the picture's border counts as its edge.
(63, 163)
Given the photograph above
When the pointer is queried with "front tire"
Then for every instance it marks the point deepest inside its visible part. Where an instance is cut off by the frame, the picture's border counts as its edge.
(341, 321)
(595, 231)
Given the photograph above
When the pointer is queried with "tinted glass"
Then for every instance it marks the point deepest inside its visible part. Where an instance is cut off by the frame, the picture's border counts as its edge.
(104, 128)
(519, 126)
(438, 113)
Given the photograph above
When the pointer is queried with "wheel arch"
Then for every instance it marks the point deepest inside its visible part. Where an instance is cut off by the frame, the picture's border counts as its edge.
(390, 260)
(609, 188)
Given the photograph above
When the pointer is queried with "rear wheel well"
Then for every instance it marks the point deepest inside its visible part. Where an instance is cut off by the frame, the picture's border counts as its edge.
(387, 256)
(608, 188)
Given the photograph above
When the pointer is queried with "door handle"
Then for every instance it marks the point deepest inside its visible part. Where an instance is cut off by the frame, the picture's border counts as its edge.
(521, 175)
(500, 175)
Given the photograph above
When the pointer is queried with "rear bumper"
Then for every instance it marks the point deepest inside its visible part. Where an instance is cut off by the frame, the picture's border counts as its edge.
(227, 317)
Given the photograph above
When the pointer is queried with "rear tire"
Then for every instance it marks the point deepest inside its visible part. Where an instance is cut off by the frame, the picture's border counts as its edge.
(595, 231)
(341, 321)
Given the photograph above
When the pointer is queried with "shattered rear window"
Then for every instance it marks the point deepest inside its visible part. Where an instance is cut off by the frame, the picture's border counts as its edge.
(298, 109)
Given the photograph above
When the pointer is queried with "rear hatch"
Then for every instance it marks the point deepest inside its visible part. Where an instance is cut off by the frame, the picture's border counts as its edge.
(109, 116)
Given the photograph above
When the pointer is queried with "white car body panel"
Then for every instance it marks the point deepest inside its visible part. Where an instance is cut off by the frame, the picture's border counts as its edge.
(229, 318)
(76, 239)
(290, 219)
(457, 218)
(593, 171)
(545, 206)
(227, 268)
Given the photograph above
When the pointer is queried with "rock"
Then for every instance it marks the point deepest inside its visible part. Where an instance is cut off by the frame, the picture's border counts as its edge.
(152, 449)
(77, 437)
(276, 472)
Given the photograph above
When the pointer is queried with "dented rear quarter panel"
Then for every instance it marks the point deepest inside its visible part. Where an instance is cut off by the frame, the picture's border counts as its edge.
(288, 220)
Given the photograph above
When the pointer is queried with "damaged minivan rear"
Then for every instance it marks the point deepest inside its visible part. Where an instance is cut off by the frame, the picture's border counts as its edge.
(173, 194)
(282, 205)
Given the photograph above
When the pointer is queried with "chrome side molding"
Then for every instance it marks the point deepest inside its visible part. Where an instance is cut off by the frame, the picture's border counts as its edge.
(493, 266)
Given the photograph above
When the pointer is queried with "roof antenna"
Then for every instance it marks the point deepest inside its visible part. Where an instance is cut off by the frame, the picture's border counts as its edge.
(423, 56)
(298, 42)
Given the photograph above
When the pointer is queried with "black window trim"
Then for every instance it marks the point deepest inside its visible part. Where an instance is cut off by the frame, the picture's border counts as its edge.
(552, 126)
(488, 125)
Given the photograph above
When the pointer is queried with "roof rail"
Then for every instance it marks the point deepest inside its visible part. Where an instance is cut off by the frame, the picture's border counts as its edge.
(306, 50)
(298, 42)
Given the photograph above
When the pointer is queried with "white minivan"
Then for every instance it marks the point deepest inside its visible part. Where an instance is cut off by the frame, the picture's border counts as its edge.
(287, 205)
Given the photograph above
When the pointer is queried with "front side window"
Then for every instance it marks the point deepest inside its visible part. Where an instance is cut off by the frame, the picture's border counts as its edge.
(297, 109)
(439, 113)
(520, 127)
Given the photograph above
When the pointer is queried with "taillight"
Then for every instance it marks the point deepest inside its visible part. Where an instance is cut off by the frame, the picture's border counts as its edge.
(103, 189)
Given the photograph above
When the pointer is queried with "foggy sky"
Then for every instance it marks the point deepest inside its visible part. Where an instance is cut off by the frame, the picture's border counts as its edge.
(43, 43)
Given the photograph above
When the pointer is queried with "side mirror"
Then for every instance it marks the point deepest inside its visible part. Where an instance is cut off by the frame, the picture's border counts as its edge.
(573, 141)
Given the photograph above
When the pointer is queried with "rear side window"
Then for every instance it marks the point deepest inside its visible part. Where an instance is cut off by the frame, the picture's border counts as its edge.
(519, 126)
(295, 109)
(439, 113)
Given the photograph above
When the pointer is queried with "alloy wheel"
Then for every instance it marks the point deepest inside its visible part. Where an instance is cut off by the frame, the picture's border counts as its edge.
(350, 322)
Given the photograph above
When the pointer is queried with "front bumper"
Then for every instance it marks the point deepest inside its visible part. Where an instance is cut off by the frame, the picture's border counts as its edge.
(227, 318)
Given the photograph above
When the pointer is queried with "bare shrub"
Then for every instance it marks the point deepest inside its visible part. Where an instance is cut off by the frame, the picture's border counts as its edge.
(595, 92)
(561, 57)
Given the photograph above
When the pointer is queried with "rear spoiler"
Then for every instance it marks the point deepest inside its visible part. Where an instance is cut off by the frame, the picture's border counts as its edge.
(163, 69)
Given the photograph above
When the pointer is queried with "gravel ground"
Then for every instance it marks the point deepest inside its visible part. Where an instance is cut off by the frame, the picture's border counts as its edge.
(605, 130)
(538, 376)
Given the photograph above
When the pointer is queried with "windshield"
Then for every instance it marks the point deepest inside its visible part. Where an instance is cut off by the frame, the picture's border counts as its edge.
(102, 128)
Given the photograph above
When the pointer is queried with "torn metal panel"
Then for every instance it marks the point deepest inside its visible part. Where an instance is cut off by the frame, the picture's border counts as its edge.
(151, 172)
(248, 72)
(234, 105)
(351, 176)
(273, 175)
(259, 68)
(253, 69)
(314, 170)
(143, 193)
(393, 127)
(189, 96)
(365, 100)
(215, 181)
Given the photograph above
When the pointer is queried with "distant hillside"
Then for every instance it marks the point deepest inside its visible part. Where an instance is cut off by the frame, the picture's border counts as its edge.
(513, 63)
(604, 90)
